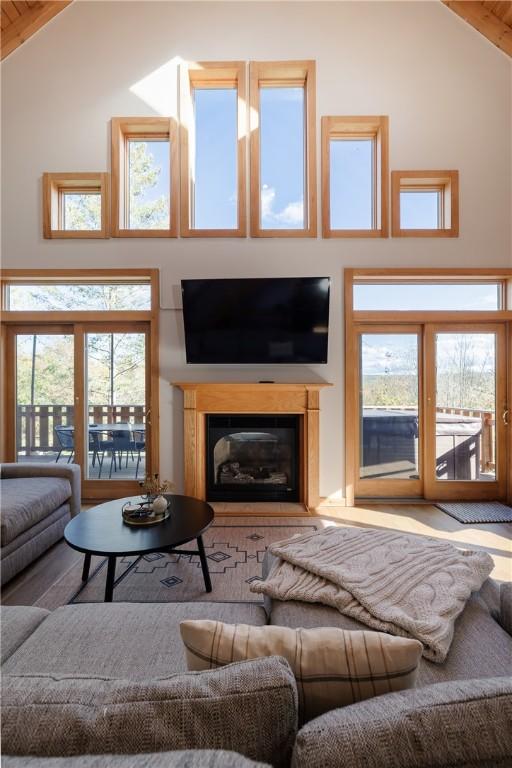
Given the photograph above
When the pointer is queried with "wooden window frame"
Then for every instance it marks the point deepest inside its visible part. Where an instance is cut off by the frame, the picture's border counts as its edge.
(56, 185)
(377, 129)
(352, 318)
(17, 318)
(284, 74)
(211, 74)
(445, 182)
(141, 128)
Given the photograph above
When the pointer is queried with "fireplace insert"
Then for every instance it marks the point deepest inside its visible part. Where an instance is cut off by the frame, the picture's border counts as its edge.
(252, 457)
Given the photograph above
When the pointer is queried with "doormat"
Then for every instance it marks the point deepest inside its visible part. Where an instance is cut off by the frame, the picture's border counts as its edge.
(477, 511)
(235, 549)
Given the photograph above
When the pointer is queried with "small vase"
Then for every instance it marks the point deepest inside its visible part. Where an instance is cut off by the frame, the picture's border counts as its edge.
(160, 505)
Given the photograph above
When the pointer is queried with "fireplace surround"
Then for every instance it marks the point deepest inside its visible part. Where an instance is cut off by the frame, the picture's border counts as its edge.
(202, 399)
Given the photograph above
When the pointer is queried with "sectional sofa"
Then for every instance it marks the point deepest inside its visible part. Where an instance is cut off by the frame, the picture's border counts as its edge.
(110, 680)
(37, 501)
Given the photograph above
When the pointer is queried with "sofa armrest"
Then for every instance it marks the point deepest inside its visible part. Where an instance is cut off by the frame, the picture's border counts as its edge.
(69, 471)
(463, 722)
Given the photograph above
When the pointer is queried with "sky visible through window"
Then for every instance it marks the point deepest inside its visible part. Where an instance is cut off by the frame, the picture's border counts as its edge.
(282, 156)
(419, 209)
(216, 200)
(351, 176)
(426, 296)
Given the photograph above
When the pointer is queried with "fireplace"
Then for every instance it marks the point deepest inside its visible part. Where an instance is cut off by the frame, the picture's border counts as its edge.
(252, 457)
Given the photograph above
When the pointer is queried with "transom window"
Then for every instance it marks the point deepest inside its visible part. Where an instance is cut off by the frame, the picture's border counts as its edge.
(283, 161)
(75, 205)
(144, 177)
(213, 146)
(354, 176)
(425, 203)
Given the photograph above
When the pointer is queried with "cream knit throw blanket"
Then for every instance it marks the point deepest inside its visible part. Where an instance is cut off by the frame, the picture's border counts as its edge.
(412, 586)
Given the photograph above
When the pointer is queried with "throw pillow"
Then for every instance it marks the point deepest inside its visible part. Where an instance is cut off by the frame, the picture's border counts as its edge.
(250, 708)
(333, 667)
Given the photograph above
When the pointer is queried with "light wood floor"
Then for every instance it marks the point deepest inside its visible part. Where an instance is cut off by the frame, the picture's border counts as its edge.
(495, 538)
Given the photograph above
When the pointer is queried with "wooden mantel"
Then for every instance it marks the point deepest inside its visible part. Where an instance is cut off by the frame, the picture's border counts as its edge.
(202, 398)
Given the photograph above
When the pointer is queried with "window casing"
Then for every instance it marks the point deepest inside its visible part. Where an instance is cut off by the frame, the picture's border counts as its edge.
(288, 89)
(363, 181)
(75, 205)
(151, 142)
(425, 203)
(206, 193)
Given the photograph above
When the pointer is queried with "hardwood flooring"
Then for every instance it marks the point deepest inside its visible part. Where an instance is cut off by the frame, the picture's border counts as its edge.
(425, 519)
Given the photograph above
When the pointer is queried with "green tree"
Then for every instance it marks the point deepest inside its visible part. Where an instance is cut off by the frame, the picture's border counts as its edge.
(83, 211)
(143, 176)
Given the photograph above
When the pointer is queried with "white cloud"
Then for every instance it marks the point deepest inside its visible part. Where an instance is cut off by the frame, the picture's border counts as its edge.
(291, 216)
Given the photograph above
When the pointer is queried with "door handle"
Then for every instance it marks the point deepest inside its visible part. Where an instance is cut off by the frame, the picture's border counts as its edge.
(504, 416)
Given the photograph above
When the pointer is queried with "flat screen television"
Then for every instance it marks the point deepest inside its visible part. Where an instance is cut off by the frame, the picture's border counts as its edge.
(256, 320)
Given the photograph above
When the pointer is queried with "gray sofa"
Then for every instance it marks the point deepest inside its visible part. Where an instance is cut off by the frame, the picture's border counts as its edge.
(96, 657)
(37, 500)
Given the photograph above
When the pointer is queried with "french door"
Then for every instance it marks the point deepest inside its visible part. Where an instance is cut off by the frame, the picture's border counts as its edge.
(466, 411)
(81, 393)
(432, 411)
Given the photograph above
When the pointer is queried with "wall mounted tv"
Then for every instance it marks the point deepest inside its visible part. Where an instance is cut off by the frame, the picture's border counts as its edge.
(256, 321)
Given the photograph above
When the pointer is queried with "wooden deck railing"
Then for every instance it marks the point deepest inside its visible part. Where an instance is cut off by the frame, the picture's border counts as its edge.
(35, 424)
(487, 436)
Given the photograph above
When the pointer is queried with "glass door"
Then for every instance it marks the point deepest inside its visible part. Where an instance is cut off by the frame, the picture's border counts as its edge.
(44, 394)
(116, 413)
(466, 412)
(388, 435)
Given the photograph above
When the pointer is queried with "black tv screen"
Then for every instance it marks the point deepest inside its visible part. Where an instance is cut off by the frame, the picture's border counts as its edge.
(256, 321)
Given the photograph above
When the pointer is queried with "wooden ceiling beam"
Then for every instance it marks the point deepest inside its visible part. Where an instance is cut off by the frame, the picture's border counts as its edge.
(26, 24)
(485, 21)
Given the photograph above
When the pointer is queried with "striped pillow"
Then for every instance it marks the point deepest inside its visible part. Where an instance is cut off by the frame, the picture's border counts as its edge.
(333, 667)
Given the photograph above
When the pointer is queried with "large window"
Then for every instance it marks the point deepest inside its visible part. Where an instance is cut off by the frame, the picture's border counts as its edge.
(425, 203)
(283, 160)
(75, 205)
(354, 176)
(213, 141)
(144, 177)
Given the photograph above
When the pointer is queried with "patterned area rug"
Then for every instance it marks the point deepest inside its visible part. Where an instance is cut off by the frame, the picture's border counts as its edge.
(235, 548)
(477, 511)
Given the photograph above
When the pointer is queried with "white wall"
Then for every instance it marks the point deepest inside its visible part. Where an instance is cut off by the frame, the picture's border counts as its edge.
(445, 88)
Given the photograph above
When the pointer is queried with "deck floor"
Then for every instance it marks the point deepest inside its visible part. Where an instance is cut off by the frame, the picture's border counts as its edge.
(121, 473)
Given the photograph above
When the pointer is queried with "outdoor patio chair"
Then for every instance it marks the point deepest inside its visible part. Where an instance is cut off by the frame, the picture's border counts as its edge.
(123, 441)
(99, 447)
(66, 442)
(138, 446)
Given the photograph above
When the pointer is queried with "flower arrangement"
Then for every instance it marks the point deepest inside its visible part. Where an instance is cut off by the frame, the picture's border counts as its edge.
(153, 486)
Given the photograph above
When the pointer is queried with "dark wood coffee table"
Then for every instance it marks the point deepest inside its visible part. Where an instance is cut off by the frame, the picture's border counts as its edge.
(101, 531)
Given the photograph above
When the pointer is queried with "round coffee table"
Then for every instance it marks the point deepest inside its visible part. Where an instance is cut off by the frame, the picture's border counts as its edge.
(101, 531)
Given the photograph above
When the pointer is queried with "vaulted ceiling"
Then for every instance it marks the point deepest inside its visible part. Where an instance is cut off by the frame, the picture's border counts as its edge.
(491, 19)
(20, 19)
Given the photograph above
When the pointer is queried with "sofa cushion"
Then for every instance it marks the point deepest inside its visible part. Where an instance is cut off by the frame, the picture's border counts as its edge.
(480, 647)
(26, 501)
(458, 723)
(332, 667)
(293, 613)
(55, 715)
(196, 758)
(17, 622)
(136, 641)
(506, 607)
